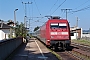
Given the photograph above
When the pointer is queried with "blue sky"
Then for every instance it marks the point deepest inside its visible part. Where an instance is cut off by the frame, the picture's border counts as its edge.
(41, 8)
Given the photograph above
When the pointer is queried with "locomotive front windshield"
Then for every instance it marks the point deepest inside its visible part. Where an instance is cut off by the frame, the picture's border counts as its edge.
(58, 25)
(54, 25)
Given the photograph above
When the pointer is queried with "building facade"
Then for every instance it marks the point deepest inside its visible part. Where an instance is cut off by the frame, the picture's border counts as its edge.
(76, 33)
(6, 31)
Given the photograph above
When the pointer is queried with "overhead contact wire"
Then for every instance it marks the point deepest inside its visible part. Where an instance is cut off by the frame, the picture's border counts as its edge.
(79, 9)
(23, 6)
(82, 9)
(59, 6)
(82, 4)
(37, 7)
(53, 6)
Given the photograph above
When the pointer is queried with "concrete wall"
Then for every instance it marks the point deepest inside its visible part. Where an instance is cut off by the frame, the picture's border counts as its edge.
(8, 46)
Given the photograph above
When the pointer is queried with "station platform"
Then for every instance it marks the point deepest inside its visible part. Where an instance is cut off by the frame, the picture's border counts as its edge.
(33, 50)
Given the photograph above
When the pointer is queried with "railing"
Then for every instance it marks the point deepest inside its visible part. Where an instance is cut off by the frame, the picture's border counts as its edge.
(8, 46)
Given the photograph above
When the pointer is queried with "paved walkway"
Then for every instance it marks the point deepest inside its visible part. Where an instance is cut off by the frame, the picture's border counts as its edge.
(33, 50)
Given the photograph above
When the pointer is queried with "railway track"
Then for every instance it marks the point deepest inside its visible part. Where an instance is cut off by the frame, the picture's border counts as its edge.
(75, 52)
(69, 55)
(82, 47)
(72, 55)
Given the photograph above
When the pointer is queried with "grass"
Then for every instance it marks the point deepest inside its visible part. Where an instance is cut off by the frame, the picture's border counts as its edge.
(85, 42)
(54, 53)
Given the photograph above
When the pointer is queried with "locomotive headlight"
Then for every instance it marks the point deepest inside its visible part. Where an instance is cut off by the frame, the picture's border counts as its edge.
(48, 40)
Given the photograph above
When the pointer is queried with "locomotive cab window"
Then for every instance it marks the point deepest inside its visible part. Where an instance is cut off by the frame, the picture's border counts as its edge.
(54, 25)
(62, 25)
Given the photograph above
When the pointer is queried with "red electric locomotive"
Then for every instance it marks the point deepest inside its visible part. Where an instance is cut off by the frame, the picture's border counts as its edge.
(56, 33)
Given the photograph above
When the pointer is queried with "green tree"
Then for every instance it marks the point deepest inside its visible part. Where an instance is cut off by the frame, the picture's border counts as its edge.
(20, 30)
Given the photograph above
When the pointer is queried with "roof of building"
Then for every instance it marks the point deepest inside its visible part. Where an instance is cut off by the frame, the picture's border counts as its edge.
(9, 23)
(4, 26)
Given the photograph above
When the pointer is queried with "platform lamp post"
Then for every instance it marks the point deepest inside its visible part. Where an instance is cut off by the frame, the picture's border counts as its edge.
(15, 18)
